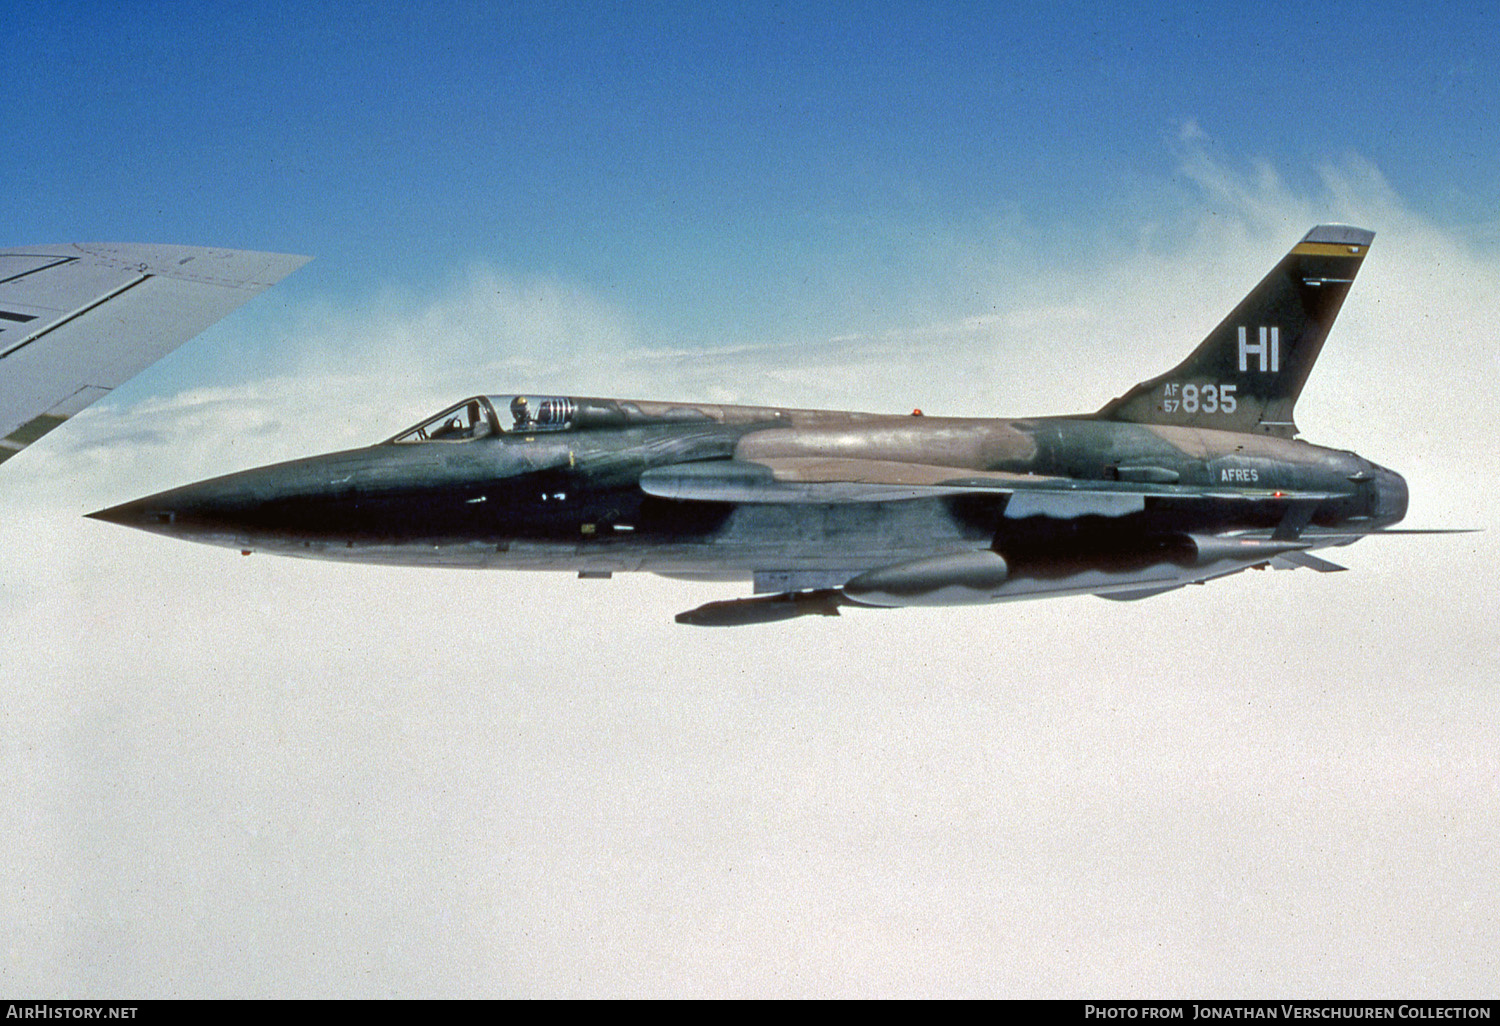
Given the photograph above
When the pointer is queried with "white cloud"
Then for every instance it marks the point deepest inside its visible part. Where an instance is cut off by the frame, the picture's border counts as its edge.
(257, 776)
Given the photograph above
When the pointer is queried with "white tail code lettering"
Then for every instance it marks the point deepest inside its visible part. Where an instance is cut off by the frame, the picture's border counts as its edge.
(1267, 349)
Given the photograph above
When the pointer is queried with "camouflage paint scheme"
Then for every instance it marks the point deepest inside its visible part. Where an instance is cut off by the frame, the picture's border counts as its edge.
(1189, 476)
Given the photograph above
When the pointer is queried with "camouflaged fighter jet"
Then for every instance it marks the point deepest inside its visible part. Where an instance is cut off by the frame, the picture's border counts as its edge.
(1189, 476)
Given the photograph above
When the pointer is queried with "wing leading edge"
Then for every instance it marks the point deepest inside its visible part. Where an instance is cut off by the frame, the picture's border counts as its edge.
(820, 480)
(78, 320)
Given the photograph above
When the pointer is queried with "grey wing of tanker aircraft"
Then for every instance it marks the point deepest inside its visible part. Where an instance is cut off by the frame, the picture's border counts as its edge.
(1189, 476)
(78, 320)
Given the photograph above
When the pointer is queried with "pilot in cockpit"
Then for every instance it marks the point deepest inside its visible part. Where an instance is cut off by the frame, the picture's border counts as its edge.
(520, 411)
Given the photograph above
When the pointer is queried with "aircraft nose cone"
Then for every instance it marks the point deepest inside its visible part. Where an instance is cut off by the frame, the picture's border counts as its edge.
(186, 512)
(1390, 495)
(141, 513)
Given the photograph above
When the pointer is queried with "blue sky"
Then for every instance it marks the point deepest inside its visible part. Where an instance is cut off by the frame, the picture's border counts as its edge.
(263, 777)
(727, 171)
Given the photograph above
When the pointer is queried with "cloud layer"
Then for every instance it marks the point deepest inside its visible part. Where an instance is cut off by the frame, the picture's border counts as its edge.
(261, 777)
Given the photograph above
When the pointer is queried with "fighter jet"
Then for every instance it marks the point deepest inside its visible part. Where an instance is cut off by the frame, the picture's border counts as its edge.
(78, 320)
(1192, 475)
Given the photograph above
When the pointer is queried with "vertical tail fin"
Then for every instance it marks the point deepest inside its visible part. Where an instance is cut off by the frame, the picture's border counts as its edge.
(1246, 375)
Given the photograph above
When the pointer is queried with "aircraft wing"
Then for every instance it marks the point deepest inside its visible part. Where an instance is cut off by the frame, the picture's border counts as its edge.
(77, 320)
(797, 479)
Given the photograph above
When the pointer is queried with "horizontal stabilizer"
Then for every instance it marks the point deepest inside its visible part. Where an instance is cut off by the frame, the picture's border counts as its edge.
(1308, 560)
(1422, 530)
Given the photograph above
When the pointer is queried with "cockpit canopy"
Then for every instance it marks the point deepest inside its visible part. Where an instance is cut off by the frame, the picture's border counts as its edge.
(530, 415)
(493, 414)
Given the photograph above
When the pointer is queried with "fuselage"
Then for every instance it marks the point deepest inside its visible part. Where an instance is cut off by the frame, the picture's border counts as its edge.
(1189, 476)
(569, 496)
